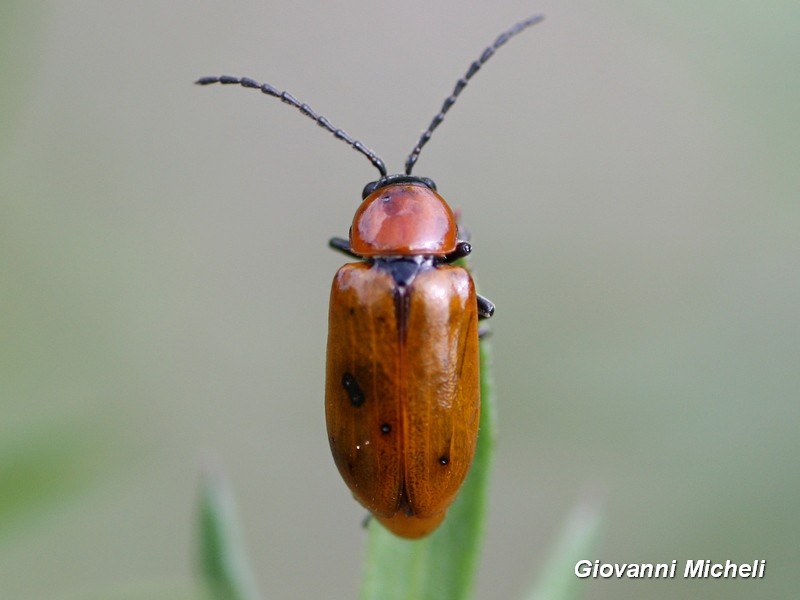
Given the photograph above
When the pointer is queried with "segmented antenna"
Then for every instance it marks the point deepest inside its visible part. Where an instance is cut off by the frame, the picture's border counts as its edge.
(462, 83)
(303, 108)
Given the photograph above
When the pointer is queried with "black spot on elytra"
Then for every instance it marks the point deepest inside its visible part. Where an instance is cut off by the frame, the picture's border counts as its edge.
(444, 460)
(353, 390)
(386, 428)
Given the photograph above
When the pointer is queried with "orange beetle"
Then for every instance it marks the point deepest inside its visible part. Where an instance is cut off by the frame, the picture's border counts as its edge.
(402, 392)
(402, 396)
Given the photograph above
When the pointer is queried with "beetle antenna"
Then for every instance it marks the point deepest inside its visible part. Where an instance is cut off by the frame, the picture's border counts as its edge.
(462, 83)
(303, 108)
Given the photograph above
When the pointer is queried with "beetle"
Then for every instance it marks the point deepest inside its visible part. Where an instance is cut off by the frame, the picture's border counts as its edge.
(402, 391)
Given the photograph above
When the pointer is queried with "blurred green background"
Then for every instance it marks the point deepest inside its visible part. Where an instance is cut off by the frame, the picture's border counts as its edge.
(630, 172)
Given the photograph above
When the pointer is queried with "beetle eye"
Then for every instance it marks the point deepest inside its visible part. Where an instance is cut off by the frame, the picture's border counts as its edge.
(369, 188)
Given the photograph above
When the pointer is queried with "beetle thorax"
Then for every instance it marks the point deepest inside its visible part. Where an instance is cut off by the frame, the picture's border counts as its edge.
(403, 220)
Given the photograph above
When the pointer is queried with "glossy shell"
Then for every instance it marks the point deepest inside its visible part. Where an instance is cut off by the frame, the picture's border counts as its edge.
(403, 219)
(402, 399)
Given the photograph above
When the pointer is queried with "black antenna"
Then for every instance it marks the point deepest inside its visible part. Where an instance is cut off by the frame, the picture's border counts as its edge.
(303, 108)
(462, 83)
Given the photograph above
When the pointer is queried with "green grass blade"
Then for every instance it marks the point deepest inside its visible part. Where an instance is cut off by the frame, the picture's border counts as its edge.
(223, 562)
(578, 539)
(444, 564)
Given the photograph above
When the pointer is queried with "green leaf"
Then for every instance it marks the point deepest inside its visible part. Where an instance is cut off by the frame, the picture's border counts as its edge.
(223, 562)
(46, 464)
(577, 541)
(444, 564)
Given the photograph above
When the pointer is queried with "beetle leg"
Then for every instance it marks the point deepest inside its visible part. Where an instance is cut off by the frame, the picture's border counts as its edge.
(342, 245)
(462, 249)
(485, 307)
